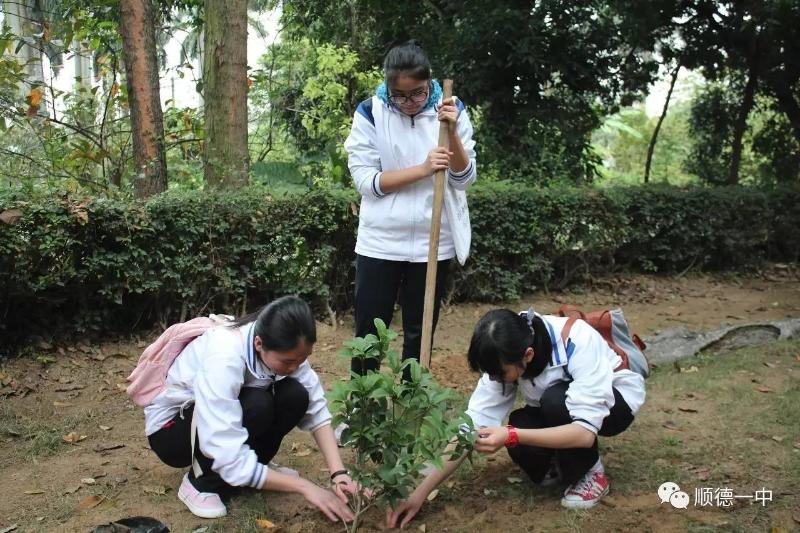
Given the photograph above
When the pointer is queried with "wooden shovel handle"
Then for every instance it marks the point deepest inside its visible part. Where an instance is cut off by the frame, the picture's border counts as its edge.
(433, 248)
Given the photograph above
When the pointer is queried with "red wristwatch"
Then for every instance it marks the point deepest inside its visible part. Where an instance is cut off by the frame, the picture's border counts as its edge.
(513, 438)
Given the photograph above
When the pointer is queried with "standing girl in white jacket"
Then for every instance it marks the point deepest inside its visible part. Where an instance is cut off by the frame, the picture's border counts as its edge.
(575, 389)
(393, 154)
(231, 397)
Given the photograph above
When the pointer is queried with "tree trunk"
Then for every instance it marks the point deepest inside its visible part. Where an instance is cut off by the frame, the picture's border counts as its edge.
(741, 121)
(137, 26)
(788, 104)
(226, 156)
(652, 147)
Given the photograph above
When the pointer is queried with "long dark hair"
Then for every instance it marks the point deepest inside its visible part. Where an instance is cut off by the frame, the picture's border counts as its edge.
(502, 336)
(282, 323)
(409, 59)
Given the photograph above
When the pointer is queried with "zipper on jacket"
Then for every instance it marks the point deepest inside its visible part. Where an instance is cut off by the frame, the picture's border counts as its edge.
(412, 121)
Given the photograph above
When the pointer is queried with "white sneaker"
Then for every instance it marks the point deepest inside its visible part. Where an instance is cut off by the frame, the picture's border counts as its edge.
(202, 504)
(587, 491)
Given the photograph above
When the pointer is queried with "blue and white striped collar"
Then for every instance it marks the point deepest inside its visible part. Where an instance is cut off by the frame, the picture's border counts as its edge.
(561, 354)
(254, 363)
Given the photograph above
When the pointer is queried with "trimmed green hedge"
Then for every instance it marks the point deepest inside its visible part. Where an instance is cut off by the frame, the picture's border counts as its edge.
(110, 264)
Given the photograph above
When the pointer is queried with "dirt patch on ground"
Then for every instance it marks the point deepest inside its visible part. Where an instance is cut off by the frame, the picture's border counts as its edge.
(108, 472)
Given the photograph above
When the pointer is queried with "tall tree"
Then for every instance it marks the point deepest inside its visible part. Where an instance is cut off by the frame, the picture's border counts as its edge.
(227, 159)
(751, 46)
(147, 120)
(652, 146)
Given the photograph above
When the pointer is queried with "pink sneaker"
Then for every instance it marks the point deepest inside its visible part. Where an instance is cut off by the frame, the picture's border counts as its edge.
(202, 504)
(586, 492)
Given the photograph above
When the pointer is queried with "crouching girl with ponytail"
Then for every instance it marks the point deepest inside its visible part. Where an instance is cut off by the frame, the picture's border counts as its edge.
(575, 388)
(231, 396)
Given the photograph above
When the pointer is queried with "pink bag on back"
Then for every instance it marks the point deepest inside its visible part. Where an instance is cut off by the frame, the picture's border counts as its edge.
(149, 377)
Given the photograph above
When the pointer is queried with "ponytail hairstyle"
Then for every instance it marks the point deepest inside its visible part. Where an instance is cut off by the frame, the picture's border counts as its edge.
(282, 324)
(408, 59)
(502, 336)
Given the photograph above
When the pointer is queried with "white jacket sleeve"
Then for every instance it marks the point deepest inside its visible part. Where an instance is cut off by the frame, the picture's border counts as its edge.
(465, 178)
(489, 404)
(363, 157)
(218, 413)
(590, 395)
(317, 414)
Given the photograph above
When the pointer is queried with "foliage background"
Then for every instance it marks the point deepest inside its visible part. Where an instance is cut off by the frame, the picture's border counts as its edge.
(114, 264)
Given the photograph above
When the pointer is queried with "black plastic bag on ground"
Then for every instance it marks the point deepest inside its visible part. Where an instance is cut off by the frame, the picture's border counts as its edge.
(136, 524)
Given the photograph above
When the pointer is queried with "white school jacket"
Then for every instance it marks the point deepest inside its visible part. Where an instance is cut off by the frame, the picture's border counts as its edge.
(210, 372)
(396, 226)
(590, 363)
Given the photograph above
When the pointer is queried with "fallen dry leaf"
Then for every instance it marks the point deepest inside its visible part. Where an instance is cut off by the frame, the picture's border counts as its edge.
(91, 501)
(797, 445)
(423, 528)
(106, 447)
(670, 425)
(777, 438)
(690, 370)
(70, 388)
(32, 492)
(10, 216)
(514, 480)
(432, 496)
(10, 528)
(156, 489)
(299, 450)
(106, 428)
(88, 480)
(263, 523)
(764, 389)
(73, 437)
(72, 490)
(769, 365)
(703, 474)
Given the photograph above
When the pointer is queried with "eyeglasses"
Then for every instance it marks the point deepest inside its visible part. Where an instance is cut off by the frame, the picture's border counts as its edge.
(402, 99)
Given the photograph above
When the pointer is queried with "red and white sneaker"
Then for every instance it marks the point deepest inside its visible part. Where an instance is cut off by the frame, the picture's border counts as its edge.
(202, 504)
(587, 491)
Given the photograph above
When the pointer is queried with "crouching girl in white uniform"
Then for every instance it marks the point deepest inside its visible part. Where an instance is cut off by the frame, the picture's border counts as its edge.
(574, 390)
(231, 396)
